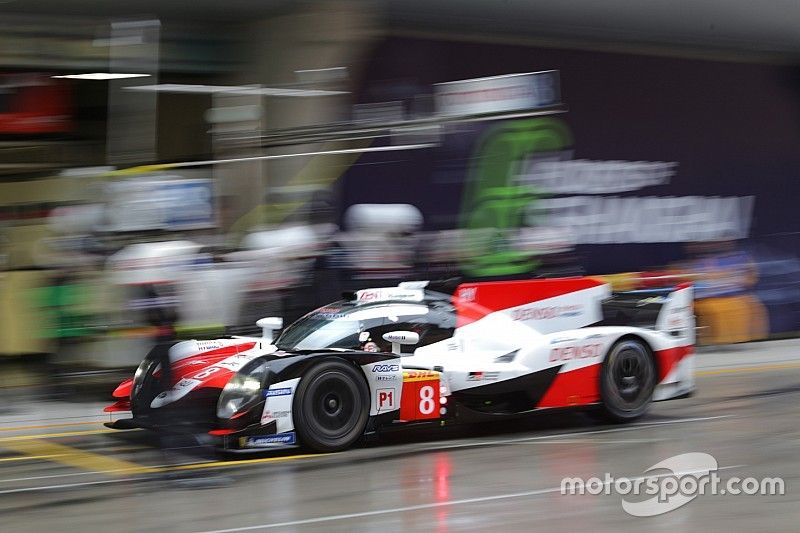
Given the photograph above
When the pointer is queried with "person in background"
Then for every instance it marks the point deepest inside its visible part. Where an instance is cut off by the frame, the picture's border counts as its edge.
(724, 276)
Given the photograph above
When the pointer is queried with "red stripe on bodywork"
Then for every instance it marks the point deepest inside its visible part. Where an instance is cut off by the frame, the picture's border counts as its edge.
(184, 368)
(187, 367)
(190, 366)
(121, 405)
(576, 387)
(476, 300)
(219, 378)
(667, 359)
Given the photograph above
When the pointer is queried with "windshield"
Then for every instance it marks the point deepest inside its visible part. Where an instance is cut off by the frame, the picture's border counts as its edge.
(349, 326)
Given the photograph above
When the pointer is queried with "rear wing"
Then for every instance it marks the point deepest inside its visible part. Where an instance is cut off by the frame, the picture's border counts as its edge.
(670, 310)
(545, 305)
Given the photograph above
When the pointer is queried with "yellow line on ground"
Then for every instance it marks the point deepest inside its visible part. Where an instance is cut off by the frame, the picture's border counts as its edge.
(58, 435)
(76, 458)
(223, 464)
(28, 458)
(59, 425)
(141, 169)
(747, 369)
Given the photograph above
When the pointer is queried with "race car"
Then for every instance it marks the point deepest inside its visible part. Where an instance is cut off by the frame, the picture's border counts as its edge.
(419, 353)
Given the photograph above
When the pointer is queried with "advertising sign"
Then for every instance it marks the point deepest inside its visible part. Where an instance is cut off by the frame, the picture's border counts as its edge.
(497, 94)
(168, 204)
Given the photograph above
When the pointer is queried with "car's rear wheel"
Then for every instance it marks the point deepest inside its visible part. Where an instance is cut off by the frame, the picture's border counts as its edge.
(627, 380)
(331, 406)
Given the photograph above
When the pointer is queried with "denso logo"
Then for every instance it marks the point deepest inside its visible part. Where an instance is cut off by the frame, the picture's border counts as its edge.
(386, 368)
(567, 353)
(545, 313)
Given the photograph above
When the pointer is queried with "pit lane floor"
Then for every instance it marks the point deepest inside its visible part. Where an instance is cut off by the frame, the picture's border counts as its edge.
(61, 470)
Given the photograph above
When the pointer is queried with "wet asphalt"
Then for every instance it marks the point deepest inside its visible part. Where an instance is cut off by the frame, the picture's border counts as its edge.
(60, 470)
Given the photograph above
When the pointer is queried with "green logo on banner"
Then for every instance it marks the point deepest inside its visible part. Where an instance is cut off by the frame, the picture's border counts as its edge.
(493, 207)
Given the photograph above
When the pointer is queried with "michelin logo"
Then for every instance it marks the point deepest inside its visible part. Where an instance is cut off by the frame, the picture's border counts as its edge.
(277, 392)
(266, 441)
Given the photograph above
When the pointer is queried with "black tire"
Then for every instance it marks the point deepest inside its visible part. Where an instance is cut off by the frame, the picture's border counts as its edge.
(627, 380)
(331, 406)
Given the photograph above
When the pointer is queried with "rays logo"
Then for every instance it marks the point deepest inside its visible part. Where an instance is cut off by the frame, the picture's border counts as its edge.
(386, 368)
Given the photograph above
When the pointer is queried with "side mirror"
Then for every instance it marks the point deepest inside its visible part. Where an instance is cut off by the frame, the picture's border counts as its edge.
(269, 325)
(398, 338)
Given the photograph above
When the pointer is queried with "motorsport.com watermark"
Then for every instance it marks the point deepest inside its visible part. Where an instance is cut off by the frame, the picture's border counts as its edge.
(690, 475)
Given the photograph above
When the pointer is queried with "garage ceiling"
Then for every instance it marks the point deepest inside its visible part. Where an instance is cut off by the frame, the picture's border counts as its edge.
(751, 25)
(765, 26)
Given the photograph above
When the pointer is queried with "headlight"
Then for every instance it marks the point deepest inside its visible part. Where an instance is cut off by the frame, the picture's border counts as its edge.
(241, 392)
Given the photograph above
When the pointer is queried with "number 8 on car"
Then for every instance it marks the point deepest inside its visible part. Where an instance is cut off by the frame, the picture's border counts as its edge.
(422, 398)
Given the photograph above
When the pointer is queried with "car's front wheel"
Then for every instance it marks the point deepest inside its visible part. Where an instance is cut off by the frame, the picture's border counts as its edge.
(331, 406)
(627, 380)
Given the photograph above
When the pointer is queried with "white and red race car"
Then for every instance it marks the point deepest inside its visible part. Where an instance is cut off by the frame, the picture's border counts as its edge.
(406, 354)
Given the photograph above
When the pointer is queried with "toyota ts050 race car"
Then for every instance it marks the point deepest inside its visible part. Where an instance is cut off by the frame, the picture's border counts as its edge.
(406, 354)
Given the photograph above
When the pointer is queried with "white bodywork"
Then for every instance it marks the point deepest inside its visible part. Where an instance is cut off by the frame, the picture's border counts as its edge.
(541, 340)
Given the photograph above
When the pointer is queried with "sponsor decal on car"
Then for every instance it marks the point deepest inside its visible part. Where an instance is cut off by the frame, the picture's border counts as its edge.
(546, 313)
(468, 293)
(568, 353)
(390, 377)
(483, 376)
(274, 415)
(278, 405)
(330, 312)
(285, 391)
(389, 293)
(420, 375)
(386, 398)
(385, 368)
(453, 346)
(267, 441)
(208, 345)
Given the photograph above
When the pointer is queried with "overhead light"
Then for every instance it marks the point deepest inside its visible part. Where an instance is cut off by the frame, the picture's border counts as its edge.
(240, 90)
(102, 76)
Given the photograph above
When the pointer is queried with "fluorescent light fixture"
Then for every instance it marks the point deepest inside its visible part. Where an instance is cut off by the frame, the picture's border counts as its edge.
(254, 90)
(102, 76)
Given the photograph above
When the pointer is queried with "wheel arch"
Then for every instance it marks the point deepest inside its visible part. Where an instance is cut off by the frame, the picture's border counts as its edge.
(635, 337)
(361, 362)
(312, 420)
(650, 352)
